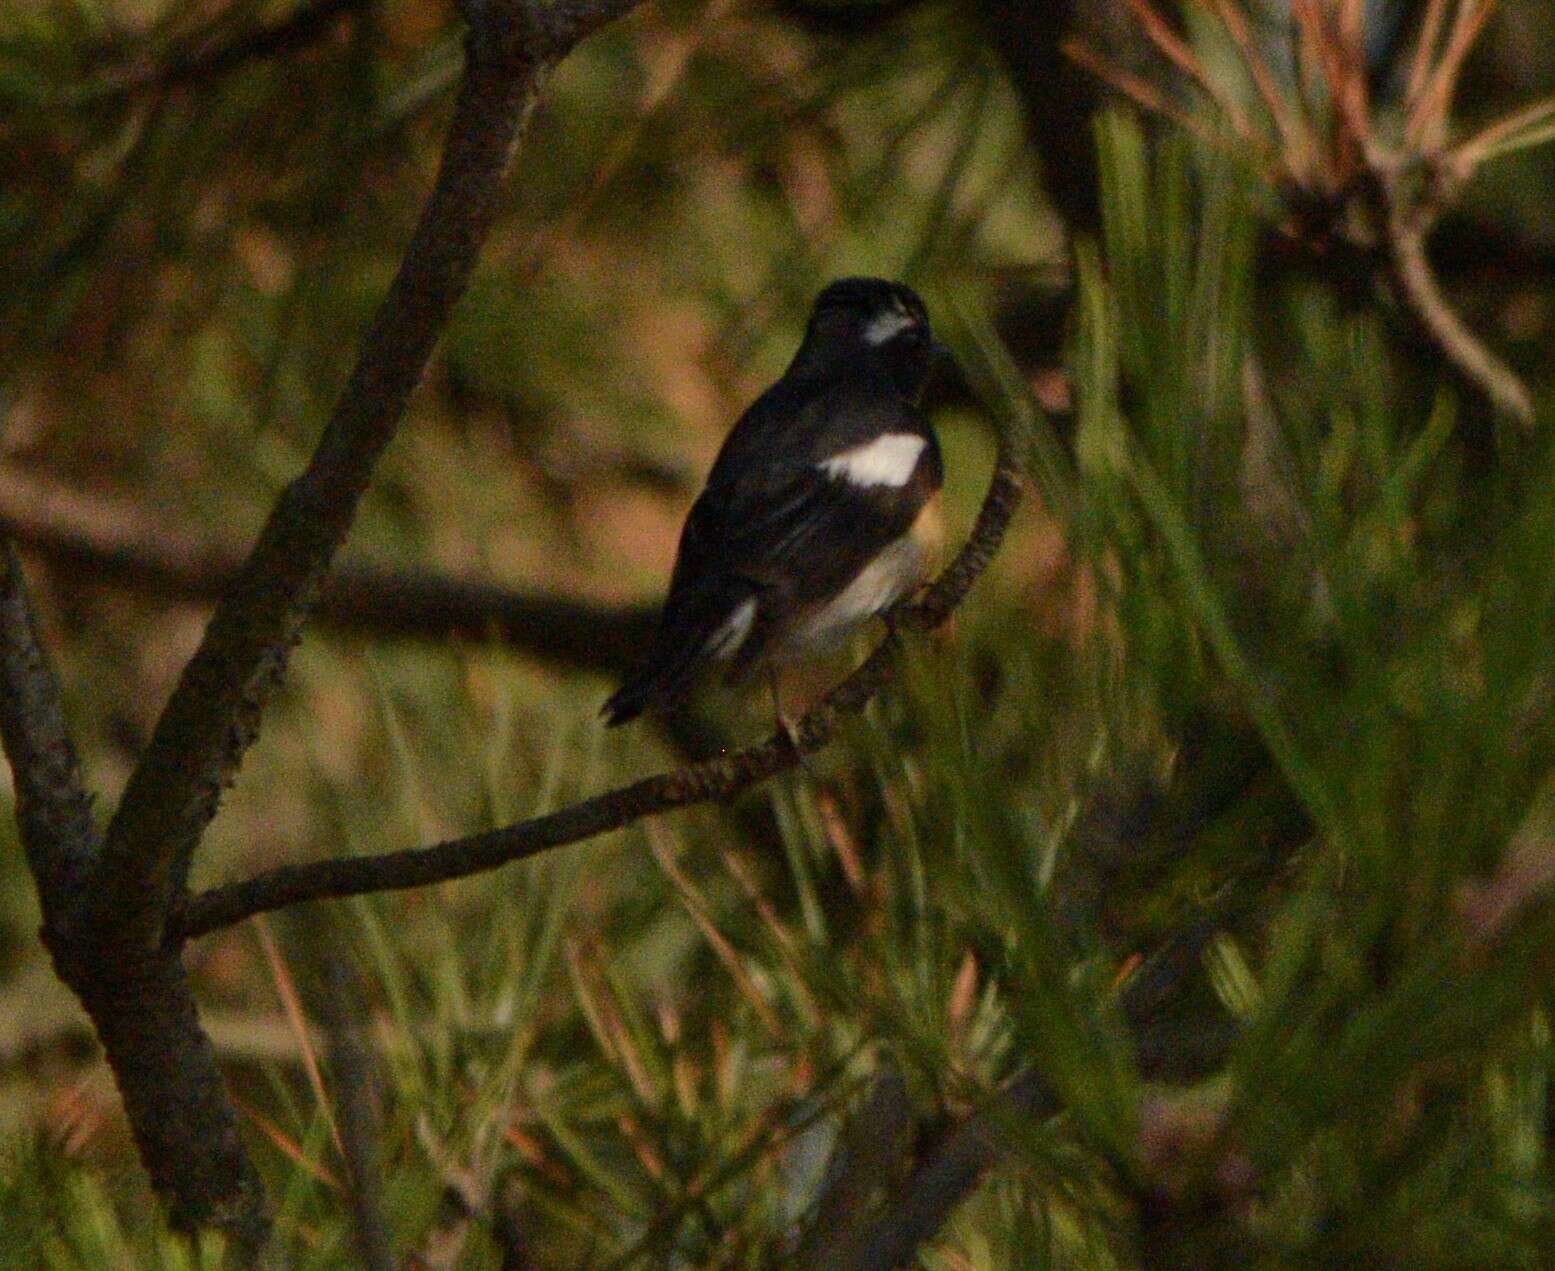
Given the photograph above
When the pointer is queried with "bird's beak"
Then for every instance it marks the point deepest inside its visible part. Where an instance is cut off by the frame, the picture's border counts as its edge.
(946, 381)
(942, 358)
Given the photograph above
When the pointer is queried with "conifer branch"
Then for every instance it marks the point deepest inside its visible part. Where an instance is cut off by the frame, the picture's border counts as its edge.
(714, 780)
(214, 713)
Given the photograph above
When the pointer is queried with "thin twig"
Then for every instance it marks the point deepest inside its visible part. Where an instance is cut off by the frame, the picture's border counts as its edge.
(302, 27)
(214, 713)
(712, 781)
(1419, 291)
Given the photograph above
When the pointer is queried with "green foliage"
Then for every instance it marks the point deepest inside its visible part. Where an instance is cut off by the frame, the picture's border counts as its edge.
(1209, 857)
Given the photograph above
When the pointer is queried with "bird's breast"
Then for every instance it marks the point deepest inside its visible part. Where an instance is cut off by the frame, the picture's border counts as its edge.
(822, 627)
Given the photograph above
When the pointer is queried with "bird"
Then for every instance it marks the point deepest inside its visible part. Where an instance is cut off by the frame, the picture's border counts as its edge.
(820, 512)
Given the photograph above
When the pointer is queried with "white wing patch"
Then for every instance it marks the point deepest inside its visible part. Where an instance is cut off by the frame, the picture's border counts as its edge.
(731, 633)
(887, 460)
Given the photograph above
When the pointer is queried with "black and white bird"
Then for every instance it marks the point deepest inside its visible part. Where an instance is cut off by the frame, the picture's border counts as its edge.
(821, 510)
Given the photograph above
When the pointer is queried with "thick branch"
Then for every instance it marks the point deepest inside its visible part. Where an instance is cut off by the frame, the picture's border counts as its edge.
(143, 1010)
(712, 781)
(53, 810)
(98, 539)
(214, 712)
(139, 1000)
(106, 909)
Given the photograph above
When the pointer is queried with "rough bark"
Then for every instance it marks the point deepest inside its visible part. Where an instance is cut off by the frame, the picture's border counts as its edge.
(213, 715)
(106, 898)
(143, 1010)
(137, 998)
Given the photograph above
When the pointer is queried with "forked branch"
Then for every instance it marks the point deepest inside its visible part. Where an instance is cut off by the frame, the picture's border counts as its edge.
(1345, 178)
(711, 781)
(107, 902)
(213, 715)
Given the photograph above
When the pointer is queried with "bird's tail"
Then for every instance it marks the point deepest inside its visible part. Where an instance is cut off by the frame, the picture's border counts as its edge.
(693, 631)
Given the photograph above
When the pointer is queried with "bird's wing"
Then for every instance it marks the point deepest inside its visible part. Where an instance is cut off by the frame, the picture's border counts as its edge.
(776, 528)
(789, 522)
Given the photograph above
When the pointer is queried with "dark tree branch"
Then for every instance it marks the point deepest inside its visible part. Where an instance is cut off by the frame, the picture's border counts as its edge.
(143, 1010)
(53, 809)
(873, 1153)
(213, 715)
(356, 1099)
(921, 1205)
(138, 999)
(556, 628)
(712, 781)
(97, 539)
(106, 908)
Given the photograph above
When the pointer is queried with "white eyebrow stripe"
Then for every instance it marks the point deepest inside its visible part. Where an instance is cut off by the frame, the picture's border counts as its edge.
(884, 326)
(889, 459)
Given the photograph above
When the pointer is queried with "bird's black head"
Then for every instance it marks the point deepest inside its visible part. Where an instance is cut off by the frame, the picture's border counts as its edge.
(870, 318)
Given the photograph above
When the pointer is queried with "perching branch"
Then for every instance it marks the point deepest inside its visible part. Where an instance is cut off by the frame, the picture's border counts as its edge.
(102, 540)
(106, 907)
(213, 715)
(712, 781)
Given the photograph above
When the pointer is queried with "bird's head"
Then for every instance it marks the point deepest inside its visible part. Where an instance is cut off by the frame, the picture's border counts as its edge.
(871, 318)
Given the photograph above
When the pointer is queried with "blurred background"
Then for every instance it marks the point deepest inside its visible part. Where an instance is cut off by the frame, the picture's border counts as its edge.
(1236, 668)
